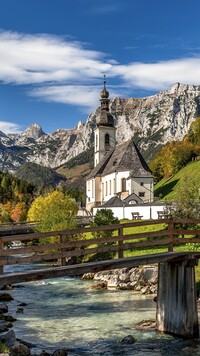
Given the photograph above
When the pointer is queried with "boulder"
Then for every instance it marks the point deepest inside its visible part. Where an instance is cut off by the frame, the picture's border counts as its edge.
(151, 274)
(5, 297)
(100, 285)
(3, 308)
(129, 339)
(89, 275)
(8, 339)
(136, 274)
(145, 290)
(20, 350)
(113, 282)
(145, 324)
(103, 276)
(4, 326)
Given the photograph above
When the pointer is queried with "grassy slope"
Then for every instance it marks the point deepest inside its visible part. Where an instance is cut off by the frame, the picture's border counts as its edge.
(168, 189)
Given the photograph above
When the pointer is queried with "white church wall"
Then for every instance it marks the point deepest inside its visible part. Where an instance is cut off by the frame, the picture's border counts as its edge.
(146, 211)
(119, 177)
(109, 186)
(142, 186)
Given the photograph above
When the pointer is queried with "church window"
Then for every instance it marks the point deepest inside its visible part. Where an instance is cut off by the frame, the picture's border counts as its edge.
(141, 194)
(114, 186)
(142, 184)
(123, 184)
(93, 189)
(110, 187)
(131, 202)
(106, 188)
(107, 142)
(88, 186)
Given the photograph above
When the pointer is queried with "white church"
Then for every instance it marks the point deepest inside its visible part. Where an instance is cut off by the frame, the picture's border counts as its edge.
(121, 179)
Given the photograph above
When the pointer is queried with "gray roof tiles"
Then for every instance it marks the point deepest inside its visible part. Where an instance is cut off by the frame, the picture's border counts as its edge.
(125, 157)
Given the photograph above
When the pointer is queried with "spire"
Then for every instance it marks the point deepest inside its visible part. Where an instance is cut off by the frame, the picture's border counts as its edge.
(105, 118)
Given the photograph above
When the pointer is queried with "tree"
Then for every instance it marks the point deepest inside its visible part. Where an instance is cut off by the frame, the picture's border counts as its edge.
(187, 204)
(104, 217)
(55, 211)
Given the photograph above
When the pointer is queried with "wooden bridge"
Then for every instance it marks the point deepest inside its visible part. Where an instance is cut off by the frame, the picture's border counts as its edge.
(175, 240)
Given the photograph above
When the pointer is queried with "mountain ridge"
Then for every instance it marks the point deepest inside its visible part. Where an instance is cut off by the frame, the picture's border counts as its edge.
(151, 121)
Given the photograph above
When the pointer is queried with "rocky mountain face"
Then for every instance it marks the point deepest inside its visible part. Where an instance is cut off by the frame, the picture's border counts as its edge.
(152, 122)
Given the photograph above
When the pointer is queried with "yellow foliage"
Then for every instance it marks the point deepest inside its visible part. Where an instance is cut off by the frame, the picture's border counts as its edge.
(55, 211)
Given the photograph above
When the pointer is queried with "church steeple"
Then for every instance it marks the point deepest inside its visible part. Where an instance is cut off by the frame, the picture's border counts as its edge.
(105, 118)
(104, 133)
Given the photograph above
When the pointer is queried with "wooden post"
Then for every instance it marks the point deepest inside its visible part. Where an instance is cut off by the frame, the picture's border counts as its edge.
(170, 228)
(120, 244)
(63, 259)
(177, 300)
(1, 257)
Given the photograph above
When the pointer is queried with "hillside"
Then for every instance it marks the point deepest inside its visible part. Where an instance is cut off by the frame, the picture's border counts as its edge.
(77, 169)
(168, 189)
(40, 176)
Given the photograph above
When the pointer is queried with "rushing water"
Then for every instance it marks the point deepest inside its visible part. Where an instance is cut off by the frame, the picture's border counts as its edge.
(68, 312)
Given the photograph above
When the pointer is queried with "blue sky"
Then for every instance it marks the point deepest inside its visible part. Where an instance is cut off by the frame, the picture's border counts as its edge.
(54, 53)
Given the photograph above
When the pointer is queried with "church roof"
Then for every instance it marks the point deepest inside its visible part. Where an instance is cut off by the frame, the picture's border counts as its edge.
(114, 201)
(125, 157)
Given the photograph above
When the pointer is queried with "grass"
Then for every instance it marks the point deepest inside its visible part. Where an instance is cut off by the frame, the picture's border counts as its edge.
(168, 189)
(147, 250)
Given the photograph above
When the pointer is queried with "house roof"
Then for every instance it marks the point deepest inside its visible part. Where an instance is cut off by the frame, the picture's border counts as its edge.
(125, 157)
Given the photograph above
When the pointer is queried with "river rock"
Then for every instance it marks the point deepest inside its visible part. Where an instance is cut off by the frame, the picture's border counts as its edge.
(145, 324)
(4, 326)
(113, 282)
(129, 339)
(20, 350)
(8, 338)
(100, 285)
(142, 279)
(103, 275)
(3, 308)
(145, 290)
(89, 275)
(5, 297)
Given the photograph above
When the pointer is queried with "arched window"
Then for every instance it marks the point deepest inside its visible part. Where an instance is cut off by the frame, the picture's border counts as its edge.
(123, 184)
(107, 142)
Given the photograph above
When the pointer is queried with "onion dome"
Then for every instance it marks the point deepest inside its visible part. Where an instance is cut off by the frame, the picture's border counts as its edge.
(104, 118)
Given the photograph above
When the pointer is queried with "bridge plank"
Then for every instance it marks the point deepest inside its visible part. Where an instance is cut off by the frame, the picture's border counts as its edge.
(79, 269)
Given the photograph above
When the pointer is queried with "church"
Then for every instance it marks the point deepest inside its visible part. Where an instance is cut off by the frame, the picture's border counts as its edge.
(120, 173)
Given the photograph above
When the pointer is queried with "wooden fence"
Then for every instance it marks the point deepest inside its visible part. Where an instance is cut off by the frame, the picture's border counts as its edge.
(75, 243)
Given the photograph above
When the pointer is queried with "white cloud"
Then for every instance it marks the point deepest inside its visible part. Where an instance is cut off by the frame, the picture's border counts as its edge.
(62, 70)
(33, 59)
(161, 75)
(85, 96)
(10, 127)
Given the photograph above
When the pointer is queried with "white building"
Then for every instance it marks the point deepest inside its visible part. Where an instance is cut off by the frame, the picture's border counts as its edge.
(119, 170)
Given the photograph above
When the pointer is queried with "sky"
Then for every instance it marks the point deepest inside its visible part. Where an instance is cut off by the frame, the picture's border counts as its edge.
(55, 53)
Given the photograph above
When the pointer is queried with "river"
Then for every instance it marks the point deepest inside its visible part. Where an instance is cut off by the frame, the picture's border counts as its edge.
(68, 312)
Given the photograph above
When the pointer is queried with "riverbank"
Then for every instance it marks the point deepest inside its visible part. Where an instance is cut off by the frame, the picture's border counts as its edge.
(70, 313)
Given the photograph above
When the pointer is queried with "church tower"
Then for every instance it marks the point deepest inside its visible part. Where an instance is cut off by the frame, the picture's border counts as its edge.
(104, 133)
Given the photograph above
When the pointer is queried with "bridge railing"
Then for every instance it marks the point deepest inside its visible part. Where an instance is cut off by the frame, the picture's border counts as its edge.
(33, 247)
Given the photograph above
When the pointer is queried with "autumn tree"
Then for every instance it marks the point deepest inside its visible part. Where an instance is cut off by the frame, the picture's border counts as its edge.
(55, 211)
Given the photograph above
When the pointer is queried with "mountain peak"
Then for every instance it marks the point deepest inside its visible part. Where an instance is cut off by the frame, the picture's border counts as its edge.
(34, 131)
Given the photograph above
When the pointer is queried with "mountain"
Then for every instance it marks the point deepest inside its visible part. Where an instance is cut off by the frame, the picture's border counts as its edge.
(40, 176)
(152, 122)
